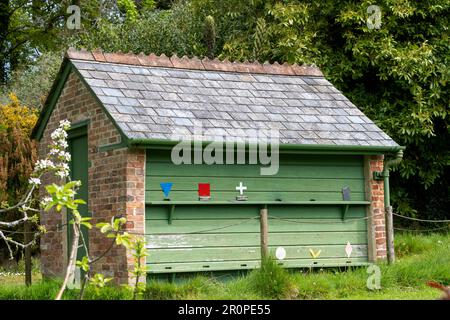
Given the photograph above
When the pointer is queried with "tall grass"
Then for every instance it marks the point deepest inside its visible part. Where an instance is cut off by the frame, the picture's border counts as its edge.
(43, 290)
(421, 258)
(272, 281)
(47, 290)
(163, 290)
(409, 244)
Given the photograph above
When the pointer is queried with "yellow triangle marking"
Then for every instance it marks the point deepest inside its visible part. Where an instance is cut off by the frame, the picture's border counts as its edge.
(315, 255)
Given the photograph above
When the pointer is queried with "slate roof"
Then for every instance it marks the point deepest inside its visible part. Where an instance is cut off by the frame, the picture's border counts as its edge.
(152, 97)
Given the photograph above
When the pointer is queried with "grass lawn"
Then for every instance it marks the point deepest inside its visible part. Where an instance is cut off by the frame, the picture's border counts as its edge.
(16, 275)
(420, 258)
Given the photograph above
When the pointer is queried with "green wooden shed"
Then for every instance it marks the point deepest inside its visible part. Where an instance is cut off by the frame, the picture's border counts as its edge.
(325, 203)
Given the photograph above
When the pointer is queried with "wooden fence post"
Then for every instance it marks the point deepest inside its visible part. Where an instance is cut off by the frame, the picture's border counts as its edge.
(264, 234)
(390, 235)
(27, 239)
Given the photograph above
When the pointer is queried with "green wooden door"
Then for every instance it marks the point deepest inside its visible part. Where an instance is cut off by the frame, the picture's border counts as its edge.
(78, 147)
(214, 235)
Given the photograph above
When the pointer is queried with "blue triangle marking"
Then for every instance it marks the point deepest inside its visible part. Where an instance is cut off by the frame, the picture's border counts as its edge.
(166, 187)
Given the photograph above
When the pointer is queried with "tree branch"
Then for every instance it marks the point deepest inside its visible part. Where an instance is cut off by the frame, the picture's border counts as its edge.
(72, 260)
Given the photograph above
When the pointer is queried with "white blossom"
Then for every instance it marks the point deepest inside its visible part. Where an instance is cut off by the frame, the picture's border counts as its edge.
(65, 124)
(62, 143)
(57, 152)
(45, 201)
(59, 134)
(64, 155)
(62, 174)
(44, 164)
(34, 181)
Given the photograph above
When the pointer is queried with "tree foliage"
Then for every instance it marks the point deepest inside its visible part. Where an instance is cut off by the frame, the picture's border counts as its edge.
(28, 28)
(17, 151)
(397, 74)
(31, 83)
(17, 156)
(169, 31)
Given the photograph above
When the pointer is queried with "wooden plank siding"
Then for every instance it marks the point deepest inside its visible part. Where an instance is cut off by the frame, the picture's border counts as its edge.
(225, 237)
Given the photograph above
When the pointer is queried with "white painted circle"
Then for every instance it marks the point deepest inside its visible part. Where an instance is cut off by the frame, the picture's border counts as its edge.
(280, 253)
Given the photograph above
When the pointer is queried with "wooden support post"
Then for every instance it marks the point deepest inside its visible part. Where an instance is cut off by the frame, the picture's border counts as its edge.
(171, 211)
(27, 239)
(390, 235)
(264, 229)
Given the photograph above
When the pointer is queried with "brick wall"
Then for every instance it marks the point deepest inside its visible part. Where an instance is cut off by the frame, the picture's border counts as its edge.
(115, 185)
(376, 193)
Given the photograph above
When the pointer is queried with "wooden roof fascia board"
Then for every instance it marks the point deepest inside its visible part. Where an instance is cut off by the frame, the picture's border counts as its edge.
(284, 148)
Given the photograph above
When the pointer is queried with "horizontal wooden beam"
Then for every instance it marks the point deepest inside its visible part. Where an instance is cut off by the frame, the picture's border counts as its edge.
(252, 264)
(234, 202)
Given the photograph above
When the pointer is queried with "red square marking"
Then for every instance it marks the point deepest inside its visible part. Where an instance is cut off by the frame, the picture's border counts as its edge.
(204, 189)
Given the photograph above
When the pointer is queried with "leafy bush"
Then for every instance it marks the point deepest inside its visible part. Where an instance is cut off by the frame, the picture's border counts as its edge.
(17, 151)
(17, 154)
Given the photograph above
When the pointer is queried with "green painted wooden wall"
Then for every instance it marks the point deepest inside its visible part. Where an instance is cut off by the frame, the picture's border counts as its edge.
(224, 237)
(300, 177)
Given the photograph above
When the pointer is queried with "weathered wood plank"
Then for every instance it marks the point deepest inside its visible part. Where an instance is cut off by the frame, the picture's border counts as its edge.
(230, 243)
(251, 239)
(193, 212)
(186, 226)
(243, 171)
(303, 159)
(250, 253)
(250, 264)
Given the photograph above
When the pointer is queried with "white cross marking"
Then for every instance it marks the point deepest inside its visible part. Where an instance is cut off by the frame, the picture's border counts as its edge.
(241, 188)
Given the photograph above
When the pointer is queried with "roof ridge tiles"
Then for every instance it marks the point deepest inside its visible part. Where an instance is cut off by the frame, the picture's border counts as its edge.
(194, 63)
